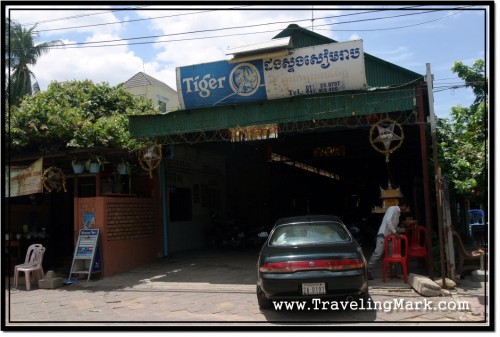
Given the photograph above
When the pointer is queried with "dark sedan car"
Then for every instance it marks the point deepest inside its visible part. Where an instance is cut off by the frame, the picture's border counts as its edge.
(312, 256)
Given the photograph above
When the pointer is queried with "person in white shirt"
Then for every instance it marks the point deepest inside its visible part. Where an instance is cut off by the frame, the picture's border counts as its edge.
(388, 226)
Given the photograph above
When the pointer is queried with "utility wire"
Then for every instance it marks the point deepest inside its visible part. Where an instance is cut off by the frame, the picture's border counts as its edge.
(392, 28)
(76, 46)
(174, 15)
(215, 29)
(79, 16)
(133, 20)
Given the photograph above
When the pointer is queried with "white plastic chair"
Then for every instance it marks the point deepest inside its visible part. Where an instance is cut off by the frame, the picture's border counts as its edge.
(32, 265)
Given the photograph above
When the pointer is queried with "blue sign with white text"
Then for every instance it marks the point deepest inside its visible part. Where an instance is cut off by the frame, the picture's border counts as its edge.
(220, 83)
(319, 69)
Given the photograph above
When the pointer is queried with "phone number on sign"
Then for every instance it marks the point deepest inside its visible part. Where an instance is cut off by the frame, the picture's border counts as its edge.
(320, 88)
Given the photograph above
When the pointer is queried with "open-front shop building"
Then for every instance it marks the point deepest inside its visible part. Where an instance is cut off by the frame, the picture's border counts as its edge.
(323, 149)
(243, 161)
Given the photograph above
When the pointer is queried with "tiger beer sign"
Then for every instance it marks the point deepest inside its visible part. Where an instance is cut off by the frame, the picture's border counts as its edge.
(317, 69)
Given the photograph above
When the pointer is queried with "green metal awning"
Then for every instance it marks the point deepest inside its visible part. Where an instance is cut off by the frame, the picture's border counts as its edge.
(295, 109)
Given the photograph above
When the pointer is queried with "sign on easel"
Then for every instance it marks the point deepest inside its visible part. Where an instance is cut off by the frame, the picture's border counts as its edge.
(87, 256)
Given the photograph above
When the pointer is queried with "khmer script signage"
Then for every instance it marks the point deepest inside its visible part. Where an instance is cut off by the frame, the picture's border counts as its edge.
(24, 180)
(313, 70)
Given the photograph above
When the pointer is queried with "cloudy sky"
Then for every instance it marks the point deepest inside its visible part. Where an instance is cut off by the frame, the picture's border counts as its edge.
(113, 43)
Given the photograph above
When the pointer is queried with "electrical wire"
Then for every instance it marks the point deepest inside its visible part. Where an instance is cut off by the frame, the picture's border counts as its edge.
(88, 44)
(129, 21)
(175, 15)
(78, 16)
(75, 46)
(392, 28)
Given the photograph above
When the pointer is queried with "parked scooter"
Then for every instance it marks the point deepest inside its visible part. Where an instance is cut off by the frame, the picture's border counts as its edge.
(229, 235)
(251, 238)
(223, 235)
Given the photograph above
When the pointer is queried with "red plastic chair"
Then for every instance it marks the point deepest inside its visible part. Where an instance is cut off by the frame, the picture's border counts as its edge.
(418, 242)
(396, 256)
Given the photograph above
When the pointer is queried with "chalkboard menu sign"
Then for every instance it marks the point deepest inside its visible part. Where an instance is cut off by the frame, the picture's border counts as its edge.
(87, 256)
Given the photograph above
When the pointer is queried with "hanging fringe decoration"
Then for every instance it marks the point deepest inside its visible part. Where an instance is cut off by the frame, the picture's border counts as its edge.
(254, 132)
(54, 179)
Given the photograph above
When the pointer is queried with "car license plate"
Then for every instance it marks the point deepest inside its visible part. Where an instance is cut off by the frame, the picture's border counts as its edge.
(313, 288)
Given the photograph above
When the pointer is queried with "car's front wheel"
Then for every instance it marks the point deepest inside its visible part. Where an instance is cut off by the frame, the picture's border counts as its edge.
(264, 302)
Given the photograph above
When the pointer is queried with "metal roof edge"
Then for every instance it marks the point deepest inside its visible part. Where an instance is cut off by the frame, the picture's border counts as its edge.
(399, 68)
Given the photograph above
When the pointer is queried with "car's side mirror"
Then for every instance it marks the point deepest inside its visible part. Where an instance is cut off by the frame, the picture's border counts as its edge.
(263, 234)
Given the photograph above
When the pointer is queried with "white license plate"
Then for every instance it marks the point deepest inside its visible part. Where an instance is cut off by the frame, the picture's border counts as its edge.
(313, 288)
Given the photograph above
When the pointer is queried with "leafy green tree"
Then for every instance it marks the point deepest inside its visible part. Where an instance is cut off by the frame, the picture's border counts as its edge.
(22, 53)
(475, 78)
(75, 114)
(463, 137)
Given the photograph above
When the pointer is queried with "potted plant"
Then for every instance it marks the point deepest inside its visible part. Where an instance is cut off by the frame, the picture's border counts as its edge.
(95, 163)
(123, 168)
(78, 165)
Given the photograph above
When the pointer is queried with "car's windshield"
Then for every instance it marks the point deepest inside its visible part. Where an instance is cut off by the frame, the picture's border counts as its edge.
(309, 233)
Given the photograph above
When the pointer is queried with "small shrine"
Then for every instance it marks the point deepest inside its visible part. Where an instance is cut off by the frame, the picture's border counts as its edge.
(382, 135)
(390, 197)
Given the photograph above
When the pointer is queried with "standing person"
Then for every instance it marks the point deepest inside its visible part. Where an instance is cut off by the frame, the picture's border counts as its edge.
(388, 226)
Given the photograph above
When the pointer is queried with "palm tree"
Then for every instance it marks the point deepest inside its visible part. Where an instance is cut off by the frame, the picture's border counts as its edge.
(21, 54)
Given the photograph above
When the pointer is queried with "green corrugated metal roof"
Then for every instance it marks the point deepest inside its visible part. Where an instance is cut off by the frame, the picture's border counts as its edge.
(296, 109)
(379, 73)
(302, 37)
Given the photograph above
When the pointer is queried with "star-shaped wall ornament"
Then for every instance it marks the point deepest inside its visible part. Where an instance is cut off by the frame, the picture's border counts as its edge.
(389, 131)
(386, 135)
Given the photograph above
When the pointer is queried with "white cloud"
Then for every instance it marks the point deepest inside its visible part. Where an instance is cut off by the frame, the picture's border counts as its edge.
(109, 64)
(112, 65)
(217, 20)
(354, 37)
(188, 52)
(166, 74)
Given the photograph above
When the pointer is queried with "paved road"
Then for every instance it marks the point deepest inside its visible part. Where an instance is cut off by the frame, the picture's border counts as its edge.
(218, 288)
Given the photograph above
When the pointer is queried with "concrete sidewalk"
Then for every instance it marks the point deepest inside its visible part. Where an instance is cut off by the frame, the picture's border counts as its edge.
(217, 288)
